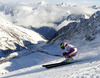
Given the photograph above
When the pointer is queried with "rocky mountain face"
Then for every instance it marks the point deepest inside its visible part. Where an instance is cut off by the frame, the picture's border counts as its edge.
(87, 29)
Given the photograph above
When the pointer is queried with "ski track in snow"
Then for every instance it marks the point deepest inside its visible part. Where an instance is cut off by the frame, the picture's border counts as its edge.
(84, 69)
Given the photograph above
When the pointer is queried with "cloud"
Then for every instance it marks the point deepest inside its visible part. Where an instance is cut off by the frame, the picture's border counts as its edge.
(43, 14)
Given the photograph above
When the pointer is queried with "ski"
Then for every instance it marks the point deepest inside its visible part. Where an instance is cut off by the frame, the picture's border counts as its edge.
(56, 64)
(59, 64)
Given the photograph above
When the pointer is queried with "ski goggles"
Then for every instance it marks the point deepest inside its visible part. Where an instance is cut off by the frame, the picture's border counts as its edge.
(62, 46)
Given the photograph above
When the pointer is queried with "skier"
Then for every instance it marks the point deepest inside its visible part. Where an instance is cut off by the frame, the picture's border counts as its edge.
(71, 51)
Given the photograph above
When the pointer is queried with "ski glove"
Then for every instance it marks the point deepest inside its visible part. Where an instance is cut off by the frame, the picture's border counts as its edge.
(65, 54)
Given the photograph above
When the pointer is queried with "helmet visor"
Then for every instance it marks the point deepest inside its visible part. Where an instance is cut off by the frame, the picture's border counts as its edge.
(62, 46)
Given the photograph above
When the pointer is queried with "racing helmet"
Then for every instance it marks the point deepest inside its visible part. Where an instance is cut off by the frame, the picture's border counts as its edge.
(63, 45)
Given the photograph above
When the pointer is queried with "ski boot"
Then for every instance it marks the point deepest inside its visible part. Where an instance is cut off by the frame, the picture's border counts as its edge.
(69, 60)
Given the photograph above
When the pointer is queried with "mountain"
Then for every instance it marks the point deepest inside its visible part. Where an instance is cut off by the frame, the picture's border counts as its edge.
(95, 7)
(42, 18)
(87, 29)
(15, 38)
(42, 14)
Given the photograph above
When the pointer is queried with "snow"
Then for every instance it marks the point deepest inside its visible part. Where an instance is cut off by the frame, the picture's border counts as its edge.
(28, 63)
(11, 34)
(89, 67)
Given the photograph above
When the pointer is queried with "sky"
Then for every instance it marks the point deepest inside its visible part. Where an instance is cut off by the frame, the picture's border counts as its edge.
(72, 0)
(53, 1)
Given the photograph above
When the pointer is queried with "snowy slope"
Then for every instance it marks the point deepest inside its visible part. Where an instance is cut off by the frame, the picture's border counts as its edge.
(88, 68)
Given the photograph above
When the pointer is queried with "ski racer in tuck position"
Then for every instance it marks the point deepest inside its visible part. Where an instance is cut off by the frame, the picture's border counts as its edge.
(71, 51)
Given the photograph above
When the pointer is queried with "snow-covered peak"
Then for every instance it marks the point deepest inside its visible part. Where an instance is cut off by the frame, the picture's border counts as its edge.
(95, 6)
(95, 15)
(43, 2)
(87, 29)
(11, 34)
(67, 4)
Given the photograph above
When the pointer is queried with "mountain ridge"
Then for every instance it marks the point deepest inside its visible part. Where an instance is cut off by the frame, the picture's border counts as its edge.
(86, 29)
